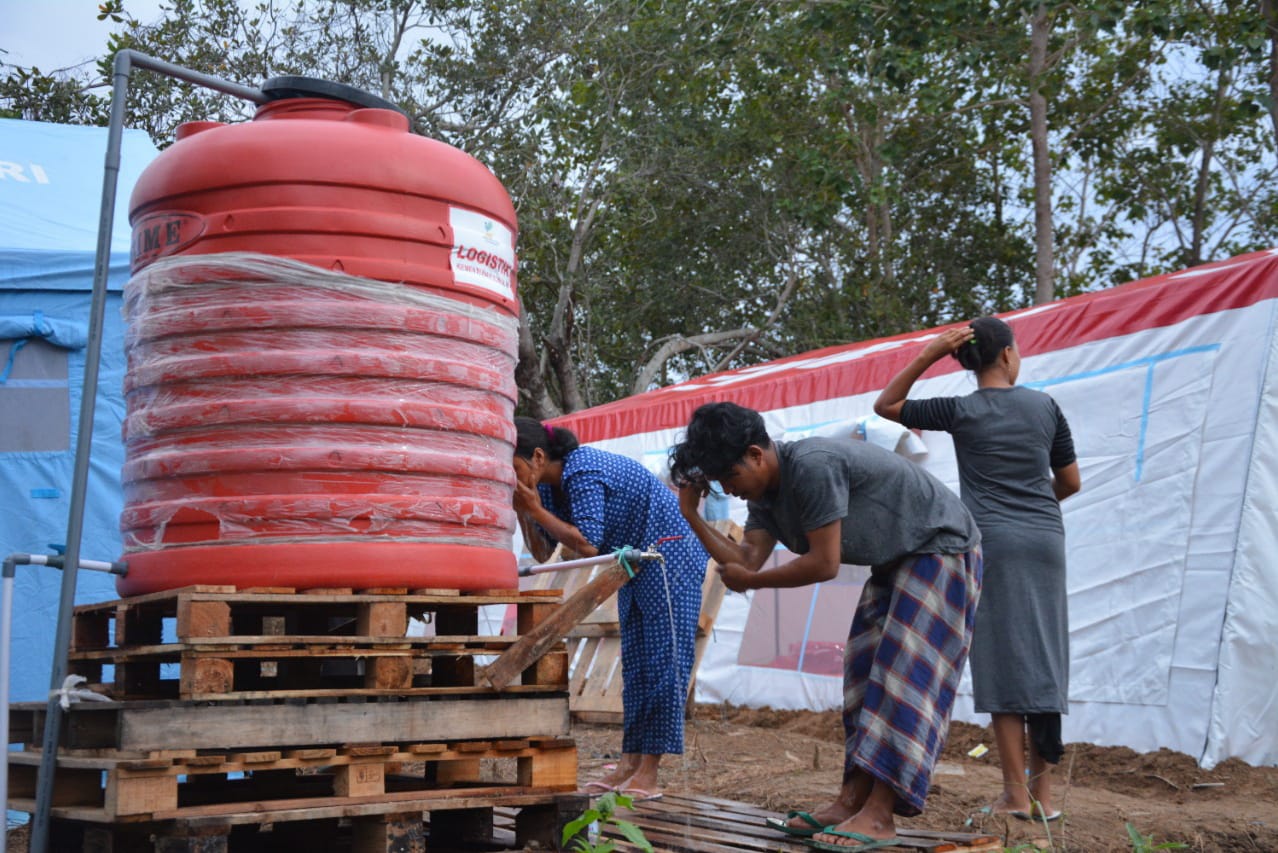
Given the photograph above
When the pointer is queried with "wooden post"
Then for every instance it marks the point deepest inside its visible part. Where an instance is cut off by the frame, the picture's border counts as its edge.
(182, 839)
(544, 824)
(361, 779)
(531, 646)
(202, 619)
(461, 826)
(390, 833)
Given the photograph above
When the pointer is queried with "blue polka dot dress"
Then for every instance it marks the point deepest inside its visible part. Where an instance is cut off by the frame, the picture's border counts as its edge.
(614, 501)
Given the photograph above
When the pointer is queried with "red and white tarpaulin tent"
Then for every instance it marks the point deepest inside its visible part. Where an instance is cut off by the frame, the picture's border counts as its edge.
(1170, 385)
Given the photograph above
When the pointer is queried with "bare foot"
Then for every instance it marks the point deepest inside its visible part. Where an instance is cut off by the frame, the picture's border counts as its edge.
(616, 777)
(1009, 804)
(641, 786)
(858, 830)
(828, 815)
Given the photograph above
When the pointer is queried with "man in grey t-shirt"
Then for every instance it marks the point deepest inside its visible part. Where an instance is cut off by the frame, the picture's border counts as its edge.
(888, 507)
(834, 502)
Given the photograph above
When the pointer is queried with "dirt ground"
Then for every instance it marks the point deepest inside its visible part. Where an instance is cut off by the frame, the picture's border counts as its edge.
(793, 759)
(784, 760)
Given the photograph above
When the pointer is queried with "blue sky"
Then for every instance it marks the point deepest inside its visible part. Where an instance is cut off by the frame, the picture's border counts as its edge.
(52, 34)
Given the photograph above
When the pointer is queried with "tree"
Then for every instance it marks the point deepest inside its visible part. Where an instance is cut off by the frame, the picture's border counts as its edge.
(1196, 180)
(702, 184)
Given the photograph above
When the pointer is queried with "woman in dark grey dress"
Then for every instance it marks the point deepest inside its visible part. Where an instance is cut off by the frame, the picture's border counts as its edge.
(1016, 463)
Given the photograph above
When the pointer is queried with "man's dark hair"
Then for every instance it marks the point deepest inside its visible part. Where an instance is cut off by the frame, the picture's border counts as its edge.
(716, 439)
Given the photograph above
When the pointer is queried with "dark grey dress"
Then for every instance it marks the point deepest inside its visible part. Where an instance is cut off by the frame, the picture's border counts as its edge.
(1006, 441)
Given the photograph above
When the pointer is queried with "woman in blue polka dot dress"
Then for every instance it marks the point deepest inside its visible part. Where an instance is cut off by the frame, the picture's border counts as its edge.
(595, 502)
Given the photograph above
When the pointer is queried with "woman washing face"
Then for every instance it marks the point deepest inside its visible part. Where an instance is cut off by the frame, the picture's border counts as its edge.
(594, 502)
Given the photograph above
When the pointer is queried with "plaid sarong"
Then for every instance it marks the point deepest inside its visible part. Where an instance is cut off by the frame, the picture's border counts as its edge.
(901, 670)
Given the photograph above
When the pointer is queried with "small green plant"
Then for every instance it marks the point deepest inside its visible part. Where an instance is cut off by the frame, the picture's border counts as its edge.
(1145, 843)
(603, 811)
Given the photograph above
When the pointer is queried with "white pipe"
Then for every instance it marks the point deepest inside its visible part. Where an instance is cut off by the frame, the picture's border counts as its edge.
(630, 554)
(56, 562)
(6, 613)
(11, 563)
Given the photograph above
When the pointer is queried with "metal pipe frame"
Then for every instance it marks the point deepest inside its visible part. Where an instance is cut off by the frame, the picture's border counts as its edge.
(125, 62)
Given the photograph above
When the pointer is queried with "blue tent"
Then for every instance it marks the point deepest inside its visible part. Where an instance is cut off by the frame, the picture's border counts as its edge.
(50, 196)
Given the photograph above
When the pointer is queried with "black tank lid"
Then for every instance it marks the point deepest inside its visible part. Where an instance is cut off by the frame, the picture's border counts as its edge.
(279, 88)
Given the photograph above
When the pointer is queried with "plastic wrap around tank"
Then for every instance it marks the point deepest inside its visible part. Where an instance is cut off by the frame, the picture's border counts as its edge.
(321, 345)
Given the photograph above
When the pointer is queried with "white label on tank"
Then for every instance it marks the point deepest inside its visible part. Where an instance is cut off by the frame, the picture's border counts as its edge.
(483, 252)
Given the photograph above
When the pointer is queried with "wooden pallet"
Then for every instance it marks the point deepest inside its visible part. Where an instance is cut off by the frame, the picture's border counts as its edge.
(175, 785)
(594, 646)
(700, 824)
(205, 642)
(254, 708)
(462, 823)
(473, 820)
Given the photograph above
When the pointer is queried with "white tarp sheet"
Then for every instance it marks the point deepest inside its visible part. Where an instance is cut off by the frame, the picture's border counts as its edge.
(1173, 602)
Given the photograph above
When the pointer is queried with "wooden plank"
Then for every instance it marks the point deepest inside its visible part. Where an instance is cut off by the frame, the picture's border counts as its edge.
(359, 780)
(585, 654)
(389, 673)
(156, 796)
(202, 618)
(673, 841)
(549, 673)
(382, 619)
(600, 690)
(216, 727)
(560, 751)
(677, 823)
(552, 667)
(341, 693)
(263, 756)
(317, 808)
(166, 601)
(244, 646)
(168, 595)
(749, 821)
(206, 675)
(450, 597)
(551, 631)
(555, 768)
(131, 795)
(602, 629)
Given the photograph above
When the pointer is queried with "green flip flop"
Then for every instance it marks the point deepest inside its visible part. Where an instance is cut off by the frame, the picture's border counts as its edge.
(813, 825)
(864, 842)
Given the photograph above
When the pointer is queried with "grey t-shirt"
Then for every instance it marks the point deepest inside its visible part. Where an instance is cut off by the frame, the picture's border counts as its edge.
(891, 508)
(1007, 441)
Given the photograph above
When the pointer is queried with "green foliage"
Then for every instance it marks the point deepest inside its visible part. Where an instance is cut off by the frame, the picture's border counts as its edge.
(1145, 843)
(704, 184)
(603, 812)
(30, 94)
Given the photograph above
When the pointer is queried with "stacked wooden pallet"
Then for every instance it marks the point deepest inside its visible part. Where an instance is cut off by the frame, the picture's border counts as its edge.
(242, 717)
(703, 824)
(206, 642)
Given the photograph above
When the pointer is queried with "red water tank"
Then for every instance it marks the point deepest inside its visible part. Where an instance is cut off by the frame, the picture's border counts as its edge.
(321, 343)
